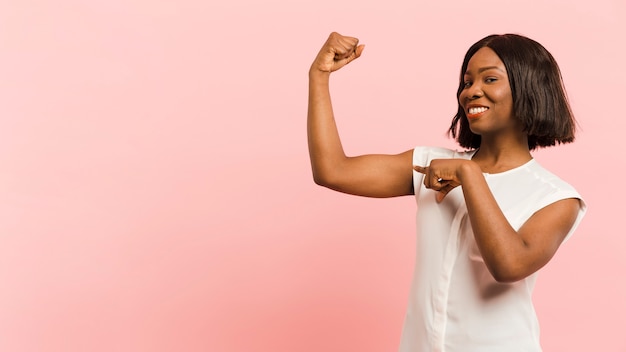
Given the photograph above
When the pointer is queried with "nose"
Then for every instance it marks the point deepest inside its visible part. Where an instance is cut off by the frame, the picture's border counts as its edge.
(475, 91)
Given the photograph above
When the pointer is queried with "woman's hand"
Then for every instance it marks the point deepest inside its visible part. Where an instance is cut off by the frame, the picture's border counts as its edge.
(337, 52)
(443, 175)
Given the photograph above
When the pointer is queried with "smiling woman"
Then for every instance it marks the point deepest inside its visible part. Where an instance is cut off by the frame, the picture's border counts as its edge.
(536, 88)
(486, 95)
(480, 245)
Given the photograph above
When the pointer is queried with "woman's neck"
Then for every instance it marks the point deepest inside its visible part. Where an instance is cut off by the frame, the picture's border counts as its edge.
(501, 156)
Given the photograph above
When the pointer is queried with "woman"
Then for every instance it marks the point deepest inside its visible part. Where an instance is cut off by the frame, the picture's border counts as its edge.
(479, 245)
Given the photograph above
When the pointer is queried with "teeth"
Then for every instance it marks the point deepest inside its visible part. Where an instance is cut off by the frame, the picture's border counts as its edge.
(477, 110)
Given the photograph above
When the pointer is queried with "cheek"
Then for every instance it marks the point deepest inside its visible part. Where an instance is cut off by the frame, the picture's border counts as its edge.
(461, 98)
(504, 97)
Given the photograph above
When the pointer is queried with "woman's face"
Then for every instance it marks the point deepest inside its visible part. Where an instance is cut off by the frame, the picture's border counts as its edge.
(486, 96)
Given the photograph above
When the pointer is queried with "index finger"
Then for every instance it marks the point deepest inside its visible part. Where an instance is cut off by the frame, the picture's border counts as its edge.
(420, 169)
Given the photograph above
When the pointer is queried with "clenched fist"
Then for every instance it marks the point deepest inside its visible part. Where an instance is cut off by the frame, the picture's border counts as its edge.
(337, 52)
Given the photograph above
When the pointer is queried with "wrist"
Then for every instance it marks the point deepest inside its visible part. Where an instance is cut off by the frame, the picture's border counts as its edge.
(316, 72)
(469, 170)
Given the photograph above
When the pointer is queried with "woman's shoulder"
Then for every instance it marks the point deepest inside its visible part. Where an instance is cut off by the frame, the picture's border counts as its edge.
(545, 175)
(545, 184)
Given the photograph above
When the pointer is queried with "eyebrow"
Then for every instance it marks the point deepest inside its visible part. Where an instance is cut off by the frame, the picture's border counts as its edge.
(486, 68)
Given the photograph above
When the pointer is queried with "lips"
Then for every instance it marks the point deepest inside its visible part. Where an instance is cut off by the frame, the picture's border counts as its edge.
(476, 111)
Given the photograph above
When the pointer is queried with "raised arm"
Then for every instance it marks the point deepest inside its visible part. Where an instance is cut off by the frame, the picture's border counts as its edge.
(365, 175)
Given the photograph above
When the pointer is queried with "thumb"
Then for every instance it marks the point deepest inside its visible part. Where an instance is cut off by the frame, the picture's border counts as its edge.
(443, 192)
(359, 50)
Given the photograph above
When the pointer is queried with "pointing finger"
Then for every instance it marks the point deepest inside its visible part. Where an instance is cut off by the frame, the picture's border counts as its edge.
(420, 169)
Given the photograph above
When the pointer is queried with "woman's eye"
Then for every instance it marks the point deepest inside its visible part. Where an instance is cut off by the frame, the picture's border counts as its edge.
(467, 84)
(490, 80)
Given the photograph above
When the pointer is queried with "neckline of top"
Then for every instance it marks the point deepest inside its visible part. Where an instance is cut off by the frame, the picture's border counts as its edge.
(524, 165)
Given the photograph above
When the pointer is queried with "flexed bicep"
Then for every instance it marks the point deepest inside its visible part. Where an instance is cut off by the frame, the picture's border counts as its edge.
(373, 175)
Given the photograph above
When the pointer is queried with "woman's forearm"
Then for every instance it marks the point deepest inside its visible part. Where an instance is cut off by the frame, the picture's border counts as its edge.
(325, 149)
(502, 248)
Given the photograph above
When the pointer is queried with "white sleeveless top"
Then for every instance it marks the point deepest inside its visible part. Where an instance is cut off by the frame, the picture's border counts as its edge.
(455, 304)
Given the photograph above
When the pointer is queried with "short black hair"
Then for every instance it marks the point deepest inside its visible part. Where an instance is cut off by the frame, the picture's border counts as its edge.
(539, 98)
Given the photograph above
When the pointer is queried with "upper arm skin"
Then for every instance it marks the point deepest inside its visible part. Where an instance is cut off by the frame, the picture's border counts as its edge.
(373, 175)
(541, 235)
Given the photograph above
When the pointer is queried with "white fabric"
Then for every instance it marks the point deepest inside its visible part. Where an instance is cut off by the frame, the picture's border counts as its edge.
(455, 304)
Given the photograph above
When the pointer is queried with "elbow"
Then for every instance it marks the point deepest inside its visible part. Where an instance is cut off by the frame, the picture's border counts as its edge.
(511, 266)
(325, 174)
(507, 274)
(322, 179)
(506, 278)
(328, 171)
(318, 179)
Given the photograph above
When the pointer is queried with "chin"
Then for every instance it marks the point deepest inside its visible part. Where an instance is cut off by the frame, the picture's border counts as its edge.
(475, 130)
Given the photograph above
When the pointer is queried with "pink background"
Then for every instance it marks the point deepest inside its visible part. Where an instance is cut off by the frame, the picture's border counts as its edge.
(155, 191)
